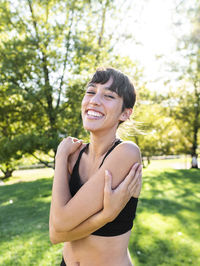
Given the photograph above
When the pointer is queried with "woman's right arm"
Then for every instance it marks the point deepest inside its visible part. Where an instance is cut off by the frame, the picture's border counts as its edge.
(68, 213)
(131, 186)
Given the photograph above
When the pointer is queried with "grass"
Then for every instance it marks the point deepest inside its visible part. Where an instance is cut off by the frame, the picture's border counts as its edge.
(165, 232)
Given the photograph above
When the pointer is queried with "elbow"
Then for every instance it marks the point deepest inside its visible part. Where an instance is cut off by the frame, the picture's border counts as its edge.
(53, 240)
(52, 237)
(57, 237)
(60, 226)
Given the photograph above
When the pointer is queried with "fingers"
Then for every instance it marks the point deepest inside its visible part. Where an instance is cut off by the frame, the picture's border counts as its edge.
(108, 181)
(71, 139)
(137, 176)
(132, 174)
(135, 187)
(74, 141)
(133, 184)
(135, 191)
(77, 140)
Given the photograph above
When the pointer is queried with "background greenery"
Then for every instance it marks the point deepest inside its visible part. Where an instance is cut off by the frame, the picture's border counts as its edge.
(48, 51)
(165, 231)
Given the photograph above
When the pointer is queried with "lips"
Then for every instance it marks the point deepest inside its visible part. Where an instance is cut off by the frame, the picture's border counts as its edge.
(94, 114)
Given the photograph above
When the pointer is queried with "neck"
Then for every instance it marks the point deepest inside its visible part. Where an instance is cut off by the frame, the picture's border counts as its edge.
(100, 144)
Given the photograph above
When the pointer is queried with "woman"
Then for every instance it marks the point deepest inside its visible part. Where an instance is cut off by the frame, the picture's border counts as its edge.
(95, 188)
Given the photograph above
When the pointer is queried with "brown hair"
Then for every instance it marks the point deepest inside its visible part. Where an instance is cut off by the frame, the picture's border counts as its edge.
(121, 84)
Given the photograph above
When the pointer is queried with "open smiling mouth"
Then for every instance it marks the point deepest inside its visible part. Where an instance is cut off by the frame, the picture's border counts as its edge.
(94, 114)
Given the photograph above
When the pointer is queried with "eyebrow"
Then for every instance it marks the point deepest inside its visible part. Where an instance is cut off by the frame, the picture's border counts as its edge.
(91, 84)
(94, 85)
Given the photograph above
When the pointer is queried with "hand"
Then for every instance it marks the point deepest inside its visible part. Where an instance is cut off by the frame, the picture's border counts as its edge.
(115, 200)
(67, 146)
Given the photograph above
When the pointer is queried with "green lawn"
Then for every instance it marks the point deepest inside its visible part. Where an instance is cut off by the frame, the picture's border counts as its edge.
(165, 232)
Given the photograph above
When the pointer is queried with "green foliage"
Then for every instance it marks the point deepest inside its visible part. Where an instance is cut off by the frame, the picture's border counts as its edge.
(48, 50)
(152, 128)
(186, 107)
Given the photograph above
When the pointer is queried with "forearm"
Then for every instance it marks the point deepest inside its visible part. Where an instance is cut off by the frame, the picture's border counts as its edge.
(83, 230)
(65, 210)
(60, 191)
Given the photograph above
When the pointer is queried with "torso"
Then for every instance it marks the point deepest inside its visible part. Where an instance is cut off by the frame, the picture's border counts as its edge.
(96, 250)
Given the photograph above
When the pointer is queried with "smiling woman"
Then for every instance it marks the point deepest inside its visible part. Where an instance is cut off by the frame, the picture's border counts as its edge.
(96, 185)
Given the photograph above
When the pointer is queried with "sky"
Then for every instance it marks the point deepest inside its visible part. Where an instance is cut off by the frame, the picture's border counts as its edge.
(155, 41)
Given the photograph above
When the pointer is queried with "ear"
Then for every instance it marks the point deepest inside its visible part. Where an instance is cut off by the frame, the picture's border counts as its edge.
(126, 114)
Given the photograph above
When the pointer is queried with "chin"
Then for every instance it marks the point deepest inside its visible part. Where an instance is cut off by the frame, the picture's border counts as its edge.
(90, 128)
(91, 125)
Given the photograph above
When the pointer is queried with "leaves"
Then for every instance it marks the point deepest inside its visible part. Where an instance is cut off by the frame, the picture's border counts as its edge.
(48, 50)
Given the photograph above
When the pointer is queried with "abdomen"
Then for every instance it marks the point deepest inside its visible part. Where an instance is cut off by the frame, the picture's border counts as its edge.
(98, 251)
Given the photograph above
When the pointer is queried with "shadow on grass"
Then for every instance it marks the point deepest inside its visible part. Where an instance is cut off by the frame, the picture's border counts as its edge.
(167, 197)
(162, 251)
(21, 203)
(174, 176)
(24, 236)
(24, 212)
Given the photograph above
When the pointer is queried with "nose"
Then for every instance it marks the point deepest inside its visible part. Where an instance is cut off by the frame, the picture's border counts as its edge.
(96, 99)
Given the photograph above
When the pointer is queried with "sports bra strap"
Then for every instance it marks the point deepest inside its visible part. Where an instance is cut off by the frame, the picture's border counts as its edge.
(109, 151)
(80, 154)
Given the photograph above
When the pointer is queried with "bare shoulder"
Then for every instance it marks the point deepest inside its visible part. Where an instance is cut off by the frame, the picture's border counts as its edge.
(120, 161)
(129, 148)
(129, 145)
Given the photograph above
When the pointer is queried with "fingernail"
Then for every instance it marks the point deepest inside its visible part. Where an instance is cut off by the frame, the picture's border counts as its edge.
(107, 172)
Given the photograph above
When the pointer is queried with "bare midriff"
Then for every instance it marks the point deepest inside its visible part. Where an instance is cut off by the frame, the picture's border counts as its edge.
(98, 251)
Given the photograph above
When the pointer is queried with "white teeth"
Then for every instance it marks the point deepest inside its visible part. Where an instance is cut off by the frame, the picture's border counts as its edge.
(93, 113)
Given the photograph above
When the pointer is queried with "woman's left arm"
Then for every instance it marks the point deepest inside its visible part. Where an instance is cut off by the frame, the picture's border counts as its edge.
(67, 212)
(131, 186)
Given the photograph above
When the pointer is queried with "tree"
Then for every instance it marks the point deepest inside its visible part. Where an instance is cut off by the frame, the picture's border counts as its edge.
(187, 99)
(48, 50)
(152, 128)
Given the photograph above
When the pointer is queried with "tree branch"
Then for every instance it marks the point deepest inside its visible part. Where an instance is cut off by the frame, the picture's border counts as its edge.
(65, 60)
(46, 163)
(29, 92)
(48, 87)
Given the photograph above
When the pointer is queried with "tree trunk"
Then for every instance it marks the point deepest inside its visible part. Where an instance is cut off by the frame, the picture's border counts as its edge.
(102, 29)
(194, 163)
(7, 173)
(194, 154)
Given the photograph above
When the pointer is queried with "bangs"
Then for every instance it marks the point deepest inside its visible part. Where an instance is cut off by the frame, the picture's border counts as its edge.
(102, 76)
(120, 84)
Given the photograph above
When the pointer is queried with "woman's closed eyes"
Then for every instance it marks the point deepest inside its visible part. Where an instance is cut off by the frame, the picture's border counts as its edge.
(105, 95)
(109, 96)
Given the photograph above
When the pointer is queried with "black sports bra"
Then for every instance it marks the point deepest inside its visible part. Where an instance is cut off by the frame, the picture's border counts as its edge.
(124, 221)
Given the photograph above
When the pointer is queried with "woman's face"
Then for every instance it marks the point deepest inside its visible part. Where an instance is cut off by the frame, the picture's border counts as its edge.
(101, 107)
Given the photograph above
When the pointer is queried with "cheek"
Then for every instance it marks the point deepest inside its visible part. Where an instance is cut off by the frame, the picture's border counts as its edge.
(118, 107)
(83, 103)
